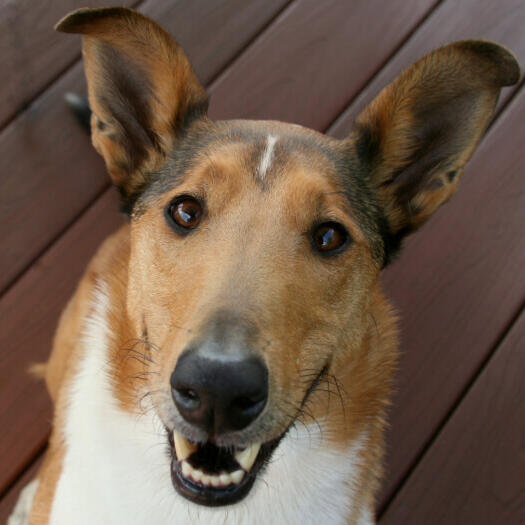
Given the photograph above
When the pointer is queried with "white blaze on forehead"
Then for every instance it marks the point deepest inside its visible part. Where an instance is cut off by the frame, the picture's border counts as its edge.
(266, 159)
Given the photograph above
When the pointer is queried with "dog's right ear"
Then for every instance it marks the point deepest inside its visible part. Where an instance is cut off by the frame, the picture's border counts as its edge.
(142, 91)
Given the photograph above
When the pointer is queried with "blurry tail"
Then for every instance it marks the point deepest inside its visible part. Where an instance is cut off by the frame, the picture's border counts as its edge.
(38, 370)
(80, 107)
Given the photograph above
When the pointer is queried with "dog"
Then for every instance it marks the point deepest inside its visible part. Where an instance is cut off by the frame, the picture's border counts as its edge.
(228, 356)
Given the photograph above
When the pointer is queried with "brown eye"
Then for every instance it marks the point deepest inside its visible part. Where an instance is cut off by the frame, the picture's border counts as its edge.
(329, 237)
(185, 212)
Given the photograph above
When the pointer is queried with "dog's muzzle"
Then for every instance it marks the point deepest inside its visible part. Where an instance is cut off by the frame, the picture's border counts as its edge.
(219, 389)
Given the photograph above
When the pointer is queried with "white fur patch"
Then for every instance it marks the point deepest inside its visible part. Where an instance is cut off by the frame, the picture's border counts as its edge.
(266, 159)
(117, 467)
(20, 514)
(366, 518)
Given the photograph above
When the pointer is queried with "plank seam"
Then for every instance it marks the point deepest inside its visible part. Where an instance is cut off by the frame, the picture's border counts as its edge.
(26, 104)
(485, 362)
(22, 471)
(383, 64)
(55, 238)
(455, 406)
(249, 43)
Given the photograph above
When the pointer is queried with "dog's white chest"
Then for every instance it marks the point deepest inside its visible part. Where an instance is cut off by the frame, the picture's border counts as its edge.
(117, 468)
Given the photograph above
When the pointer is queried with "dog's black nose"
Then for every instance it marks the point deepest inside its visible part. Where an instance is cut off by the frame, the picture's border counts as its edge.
(219, 392)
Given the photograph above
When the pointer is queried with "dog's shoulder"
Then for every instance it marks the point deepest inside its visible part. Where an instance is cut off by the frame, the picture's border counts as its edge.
(110, 260)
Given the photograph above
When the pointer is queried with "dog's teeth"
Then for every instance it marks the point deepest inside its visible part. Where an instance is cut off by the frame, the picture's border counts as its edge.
(183, 447)
(246, 458)
(187, 469)
(237, 476)
(205, 480)
(215, 481)
(225, 479)
(211, 480)
(197, 475)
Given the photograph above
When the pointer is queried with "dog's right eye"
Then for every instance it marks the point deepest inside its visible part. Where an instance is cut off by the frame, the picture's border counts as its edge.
(185, 213)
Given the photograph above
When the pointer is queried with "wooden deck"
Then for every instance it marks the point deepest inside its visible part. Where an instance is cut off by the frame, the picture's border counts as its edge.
(457, 439)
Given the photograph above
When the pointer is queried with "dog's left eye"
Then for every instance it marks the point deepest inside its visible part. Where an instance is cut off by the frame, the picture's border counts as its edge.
(185, 212)
(330, 238)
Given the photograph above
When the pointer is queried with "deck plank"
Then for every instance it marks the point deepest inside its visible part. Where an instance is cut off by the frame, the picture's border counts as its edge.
(475, 470)
(28, 317)
(7, 503)
(305, 68)
(457, 284)
(31, 53)
(500, 21)
(40, 150)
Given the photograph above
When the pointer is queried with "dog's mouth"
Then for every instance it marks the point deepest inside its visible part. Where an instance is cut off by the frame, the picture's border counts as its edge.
(210, 475)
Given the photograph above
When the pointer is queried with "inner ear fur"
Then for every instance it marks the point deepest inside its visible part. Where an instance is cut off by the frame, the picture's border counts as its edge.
(142, 91)
(417, 135)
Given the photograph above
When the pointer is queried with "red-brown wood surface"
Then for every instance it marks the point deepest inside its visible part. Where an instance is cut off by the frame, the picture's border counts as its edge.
(31, 53)
(28, 316)
(500, 21)
(8, 502)
(43, 186)
(458, 284)
(305, 68)
(474, 472)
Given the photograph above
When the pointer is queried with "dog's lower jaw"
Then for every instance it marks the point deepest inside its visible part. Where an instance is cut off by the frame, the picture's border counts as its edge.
(115, 468)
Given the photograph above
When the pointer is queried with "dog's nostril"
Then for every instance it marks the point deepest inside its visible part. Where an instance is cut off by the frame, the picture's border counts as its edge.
(187, 398)
(188, 393)
(245, 403)
(219, 393)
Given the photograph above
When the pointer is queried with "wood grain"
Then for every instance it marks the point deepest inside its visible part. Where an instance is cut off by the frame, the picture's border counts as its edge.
(31, 54)
(8, 501)
(50, 172)
(306, 67)
(457, 284)
(28, 317)
(475, 470)
(500, 21)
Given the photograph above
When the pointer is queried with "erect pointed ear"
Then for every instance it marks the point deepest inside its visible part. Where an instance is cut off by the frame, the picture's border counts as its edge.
(142, 91)
(417, 135)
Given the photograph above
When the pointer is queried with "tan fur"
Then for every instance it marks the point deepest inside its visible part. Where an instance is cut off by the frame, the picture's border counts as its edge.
(252, 256)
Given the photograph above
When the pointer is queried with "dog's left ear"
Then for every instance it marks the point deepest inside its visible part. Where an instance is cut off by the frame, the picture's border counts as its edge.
(415, 138)
(142, 91)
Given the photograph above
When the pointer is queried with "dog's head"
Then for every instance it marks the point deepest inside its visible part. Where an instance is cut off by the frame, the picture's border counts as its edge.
(256, 246)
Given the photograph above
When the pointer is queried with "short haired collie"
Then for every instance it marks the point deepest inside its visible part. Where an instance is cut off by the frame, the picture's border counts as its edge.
(228, 356)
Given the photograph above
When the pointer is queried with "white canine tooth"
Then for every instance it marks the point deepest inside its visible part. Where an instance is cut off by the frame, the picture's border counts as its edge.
(187, 469)
(183, 447)
(237, 476)
(215, 481)
(246, 457)
(225, 479)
